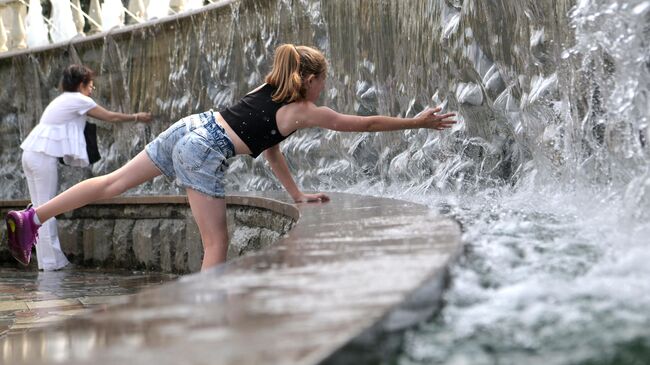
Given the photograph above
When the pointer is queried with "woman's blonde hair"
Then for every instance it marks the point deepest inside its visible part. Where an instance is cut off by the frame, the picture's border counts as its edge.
(291, 65)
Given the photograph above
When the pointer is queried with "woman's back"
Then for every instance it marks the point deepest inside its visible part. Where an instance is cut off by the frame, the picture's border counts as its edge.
(253, 119)
(69, 107)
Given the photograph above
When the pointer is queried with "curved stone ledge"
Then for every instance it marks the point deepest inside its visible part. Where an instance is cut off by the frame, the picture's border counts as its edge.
(351, 269)
(158, 232)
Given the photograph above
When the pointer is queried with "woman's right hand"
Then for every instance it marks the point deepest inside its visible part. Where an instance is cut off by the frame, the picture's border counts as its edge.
(142, 117)
(310, 198)
(430, 119)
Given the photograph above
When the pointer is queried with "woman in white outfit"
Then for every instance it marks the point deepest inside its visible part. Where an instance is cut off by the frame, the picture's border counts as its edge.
(60, 133)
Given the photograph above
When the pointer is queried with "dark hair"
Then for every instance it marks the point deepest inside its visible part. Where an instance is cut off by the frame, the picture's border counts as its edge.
(74, 75)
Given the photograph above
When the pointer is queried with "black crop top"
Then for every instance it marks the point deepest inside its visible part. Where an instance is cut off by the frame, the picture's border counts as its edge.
(253, 119)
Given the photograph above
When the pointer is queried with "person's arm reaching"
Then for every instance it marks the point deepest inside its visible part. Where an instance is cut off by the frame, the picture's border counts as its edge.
(327, 118)
(279, 167)
(106, 115)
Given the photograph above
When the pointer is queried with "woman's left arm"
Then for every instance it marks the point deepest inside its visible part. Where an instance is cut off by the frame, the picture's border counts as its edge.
(279, 167)
(106, 115)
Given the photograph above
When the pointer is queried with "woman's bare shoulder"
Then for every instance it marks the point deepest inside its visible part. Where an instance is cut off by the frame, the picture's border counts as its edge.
(299, 114)
(298, 107)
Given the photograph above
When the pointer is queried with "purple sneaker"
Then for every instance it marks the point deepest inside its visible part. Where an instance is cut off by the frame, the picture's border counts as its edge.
(22, 233)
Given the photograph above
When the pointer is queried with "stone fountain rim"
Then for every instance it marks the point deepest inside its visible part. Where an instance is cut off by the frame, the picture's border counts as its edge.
(275, 205)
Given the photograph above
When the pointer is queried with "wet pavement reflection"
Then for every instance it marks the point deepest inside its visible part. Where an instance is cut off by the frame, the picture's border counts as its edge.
(33, 299)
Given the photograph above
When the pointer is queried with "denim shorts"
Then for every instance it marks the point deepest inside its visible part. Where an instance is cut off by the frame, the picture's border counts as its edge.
(193, 153)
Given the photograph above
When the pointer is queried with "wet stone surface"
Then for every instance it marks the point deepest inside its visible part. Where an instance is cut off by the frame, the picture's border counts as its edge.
(157, 233)
(349, 269)
(32, 299)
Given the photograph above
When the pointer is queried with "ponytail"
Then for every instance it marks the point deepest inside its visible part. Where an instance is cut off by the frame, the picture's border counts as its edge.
(290, 65)
(285, 75)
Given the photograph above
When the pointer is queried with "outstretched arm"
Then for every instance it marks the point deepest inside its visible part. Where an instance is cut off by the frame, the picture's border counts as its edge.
(327, 118)
(102, 114)
(279, 166)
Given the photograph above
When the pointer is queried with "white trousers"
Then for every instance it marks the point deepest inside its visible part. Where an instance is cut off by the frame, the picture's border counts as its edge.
(41, 171)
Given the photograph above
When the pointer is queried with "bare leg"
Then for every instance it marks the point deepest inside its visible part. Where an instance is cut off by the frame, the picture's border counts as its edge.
(210, 215)
(134, 173)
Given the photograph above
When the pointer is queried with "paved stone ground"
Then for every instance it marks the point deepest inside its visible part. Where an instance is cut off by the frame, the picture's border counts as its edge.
(32, 299)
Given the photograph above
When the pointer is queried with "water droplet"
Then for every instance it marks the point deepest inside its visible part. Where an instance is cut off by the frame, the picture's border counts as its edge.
(641, 8)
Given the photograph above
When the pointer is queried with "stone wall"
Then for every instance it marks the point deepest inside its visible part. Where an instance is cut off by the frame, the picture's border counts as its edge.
(160, 237)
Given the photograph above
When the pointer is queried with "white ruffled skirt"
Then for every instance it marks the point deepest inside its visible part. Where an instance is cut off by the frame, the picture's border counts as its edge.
(59, 140)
